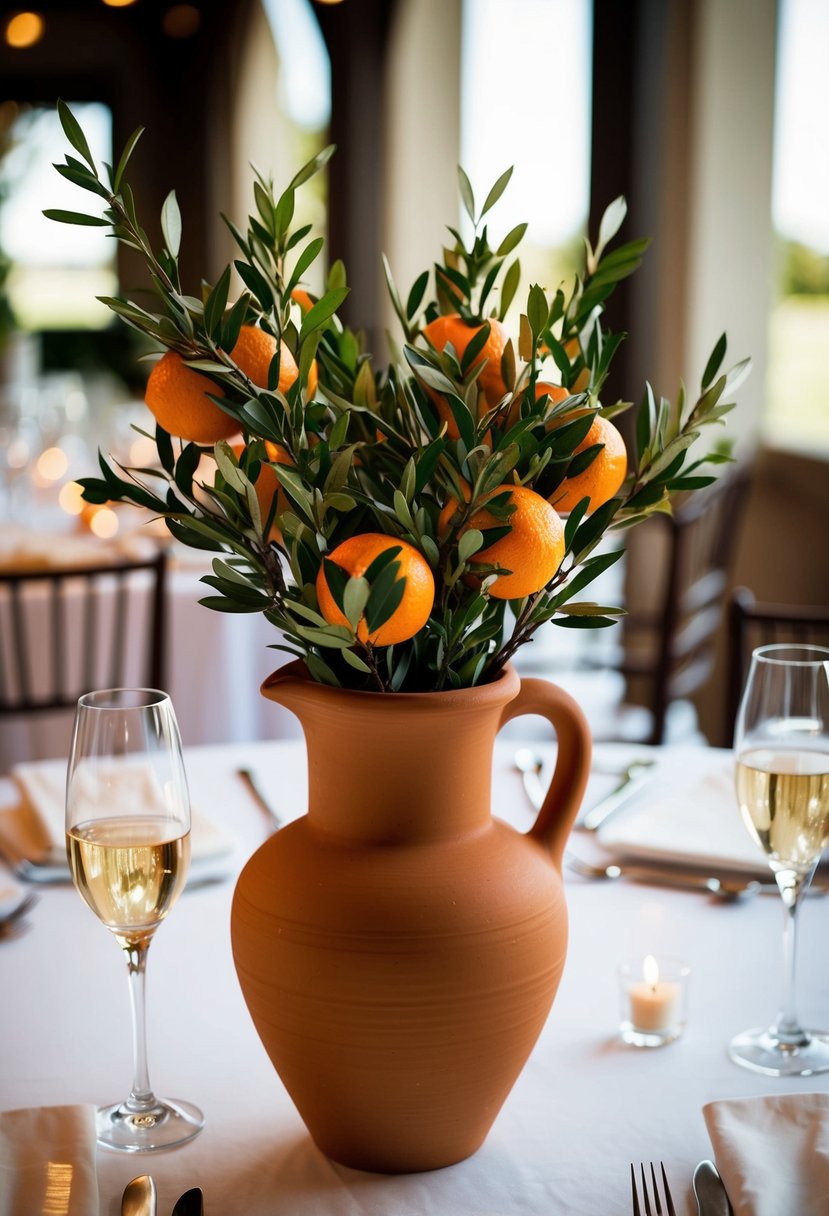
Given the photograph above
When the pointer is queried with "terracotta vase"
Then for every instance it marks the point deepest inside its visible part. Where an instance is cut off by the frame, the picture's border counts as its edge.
(399, 948)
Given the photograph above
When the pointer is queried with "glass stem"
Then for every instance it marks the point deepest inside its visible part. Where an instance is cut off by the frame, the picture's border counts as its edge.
(788, 1029)
(141, 1097)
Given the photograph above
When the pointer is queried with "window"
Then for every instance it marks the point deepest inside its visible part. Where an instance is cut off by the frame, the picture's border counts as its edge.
(525, 101)
(797, 412)
(52, 282)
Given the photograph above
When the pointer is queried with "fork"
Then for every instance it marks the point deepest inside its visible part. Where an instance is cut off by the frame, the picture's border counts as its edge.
(651, 1194)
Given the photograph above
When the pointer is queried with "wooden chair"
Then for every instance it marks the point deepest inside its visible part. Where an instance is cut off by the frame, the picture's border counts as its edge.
(668, 650)
(66, 631)
(751, 625)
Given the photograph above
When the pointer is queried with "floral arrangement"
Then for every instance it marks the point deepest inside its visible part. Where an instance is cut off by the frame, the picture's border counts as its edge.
(385, 518)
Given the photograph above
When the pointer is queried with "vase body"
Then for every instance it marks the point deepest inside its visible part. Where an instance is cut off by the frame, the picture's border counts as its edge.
(399, 948)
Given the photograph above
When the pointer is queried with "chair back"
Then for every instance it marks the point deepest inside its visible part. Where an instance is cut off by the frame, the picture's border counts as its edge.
(672, 646)
(752, 624)
(64, 632)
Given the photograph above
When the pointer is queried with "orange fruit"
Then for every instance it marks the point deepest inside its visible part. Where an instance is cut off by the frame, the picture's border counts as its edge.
(603, 477)
(453, 328)
(302, 298)
(555, 392)
(253, 353)
(177, 396)
(355, 555)
(267, 484)
(532, 551)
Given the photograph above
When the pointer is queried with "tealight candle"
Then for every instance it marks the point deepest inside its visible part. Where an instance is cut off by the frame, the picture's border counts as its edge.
(653, 1001)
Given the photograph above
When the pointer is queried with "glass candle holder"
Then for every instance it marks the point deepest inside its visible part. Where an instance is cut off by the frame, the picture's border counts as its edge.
(653, 993)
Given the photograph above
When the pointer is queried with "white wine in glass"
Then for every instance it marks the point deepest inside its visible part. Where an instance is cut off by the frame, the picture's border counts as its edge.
(128, 841)
(781, 749)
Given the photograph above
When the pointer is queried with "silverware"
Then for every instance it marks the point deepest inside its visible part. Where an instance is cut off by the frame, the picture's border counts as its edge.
(191, 1203)
(651, 1194)
(139, 1198)
(246, 775)
(709, 1191)
(25, 905)
(630, 780)
(530, 764)
(727, 887)
(52, 868)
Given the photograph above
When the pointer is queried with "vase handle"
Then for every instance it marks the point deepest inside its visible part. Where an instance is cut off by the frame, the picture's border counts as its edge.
(564, 797)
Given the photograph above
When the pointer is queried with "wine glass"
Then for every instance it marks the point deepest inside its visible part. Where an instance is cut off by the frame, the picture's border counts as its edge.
(781, 749)
(128, 841)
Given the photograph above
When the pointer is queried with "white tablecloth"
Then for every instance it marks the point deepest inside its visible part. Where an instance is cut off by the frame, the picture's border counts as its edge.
(583, 1109)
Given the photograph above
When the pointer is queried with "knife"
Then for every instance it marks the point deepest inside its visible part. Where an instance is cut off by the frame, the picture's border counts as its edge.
(191, 1203)
(711, 1195)
(139, 1198)
(632, 779)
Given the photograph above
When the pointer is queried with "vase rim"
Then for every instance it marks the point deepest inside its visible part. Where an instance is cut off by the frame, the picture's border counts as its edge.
(506, 683)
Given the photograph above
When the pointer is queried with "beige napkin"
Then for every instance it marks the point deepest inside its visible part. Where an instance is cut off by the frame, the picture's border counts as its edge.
(36, 823)
(773, 1153)
(47, 1161)
(686, 813)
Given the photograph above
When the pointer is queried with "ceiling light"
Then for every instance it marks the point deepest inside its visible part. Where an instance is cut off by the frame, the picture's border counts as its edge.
(181, 21)
(23, 30)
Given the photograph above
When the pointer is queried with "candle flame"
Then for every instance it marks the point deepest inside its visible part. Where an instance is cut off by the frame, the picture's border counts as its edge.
(650, 970)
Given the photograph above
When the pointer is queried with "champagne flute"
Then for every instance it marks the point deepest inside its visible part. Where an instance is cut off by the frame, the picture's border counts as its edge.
(128, 841)
(781, 748)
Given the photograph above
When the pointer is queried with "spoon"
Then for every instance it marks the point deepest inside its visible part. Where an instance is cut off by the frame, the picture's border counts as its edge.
(139, 1198)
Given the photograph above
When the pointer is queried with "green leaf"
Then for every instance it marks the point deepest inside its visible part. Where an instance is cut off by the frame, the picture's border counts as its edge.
(284, 212)
(611, 222)
(356, 662)
(467, 197)
(256, 283)
(125, 155)
(171, 223)
(72, 131)
(496, 191)
(470, 542)
(75, 217)
(337, 580)
(416, 294)
(537, 310)
(216, 304)
(714, 361)
(322, 311)
(313, 166)
(511, 240)
(355, 598)
(305, 259)
(509, 286)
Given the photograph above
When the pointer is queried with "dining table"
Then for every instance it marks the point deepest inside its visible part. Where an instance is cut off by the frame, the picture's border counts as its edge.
(585, 1106)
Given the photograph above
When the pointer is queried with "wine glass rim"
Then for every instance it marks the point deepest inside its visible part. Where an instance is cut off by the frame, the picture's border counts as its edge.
(788, 652)
(119, 698)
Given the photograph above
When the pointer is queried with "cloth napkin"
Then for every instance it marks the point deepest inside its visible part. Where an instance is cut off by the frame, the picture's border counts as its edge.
(47, 1161)
(35, 823)
(773, 1153)
(686, 813)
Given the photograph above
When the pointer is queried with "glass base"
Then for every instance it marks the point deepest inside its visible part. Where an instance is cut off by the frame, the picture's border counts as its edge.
(635, 1037)
(159, 1126)
(762, 1051)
